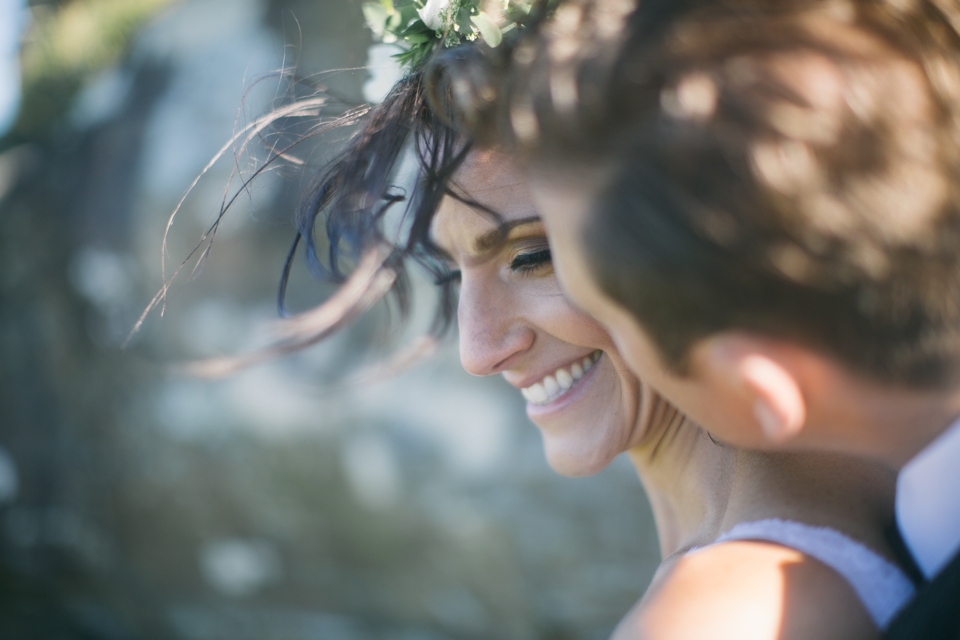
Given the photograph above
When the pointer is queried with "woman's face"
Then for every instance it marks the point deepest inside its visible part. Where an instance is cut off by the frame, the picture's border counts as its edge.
(515, 321)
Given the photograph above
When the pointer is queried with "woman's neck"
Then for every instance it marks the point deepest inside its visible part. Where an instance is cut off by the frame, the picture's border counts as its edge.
(699, 488)
(688, 478)
(848, 494)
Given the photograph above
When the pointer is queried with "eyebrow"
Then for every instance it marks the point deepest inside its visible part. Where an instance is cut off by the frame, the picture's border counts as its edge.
(492, 239)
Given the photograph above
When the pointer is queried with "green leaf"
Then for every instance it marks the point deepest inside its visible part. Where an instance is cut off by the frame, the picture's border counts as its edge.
(394, 22)
(488, 29)
(413, 56)
(519, 11)
(417, 38)
(417, 27)
(409, 13)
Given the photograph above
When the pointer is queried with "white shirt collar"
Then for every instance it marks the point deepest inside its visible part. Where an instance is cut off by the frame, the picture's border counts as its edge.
(928, 502)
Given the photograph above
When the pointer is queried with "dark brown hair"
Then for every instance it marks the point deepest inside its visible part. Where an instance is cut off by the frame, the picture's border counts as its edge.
(789, 168)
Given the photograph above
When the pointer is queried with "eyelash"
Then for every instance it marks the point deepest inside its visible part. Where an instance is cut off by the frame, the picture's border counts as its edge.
(528, 262)
(522, 264)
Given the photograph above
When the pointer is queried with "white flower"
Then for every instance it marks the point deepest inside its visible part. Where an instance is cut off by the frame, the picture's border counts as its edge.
(434, 13)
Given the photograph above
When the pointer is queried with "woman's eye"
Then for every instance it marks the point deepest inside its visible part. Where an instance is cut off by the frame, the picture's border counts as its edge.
(530, 261)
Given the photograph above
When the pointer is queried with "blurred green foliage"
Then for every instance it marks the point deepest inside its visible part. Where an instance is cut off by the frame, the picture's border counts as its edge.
(66, 43)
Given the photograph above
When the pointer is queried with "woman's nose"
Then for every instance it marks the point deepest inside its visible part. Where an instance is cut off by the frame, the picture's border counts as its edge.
(493, 332)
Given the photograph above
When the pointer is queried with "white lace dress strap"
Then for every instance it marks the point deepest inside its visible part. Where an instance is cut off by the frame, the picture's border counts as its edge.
(882, 587)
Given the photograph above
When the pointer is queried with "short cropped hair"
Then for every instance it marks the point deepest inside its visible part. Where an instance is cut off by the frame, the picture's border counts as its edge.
(789, 168)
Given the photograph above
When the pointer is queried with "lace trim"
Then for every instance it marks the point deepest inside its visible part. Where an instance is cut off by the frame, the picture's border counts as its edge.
(882, 587)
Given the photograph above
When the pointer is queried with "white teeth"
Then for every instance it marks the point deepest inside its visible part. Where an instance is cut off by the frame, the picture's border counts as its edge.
(535, 394)
(590, 359)
(550, 386)
(558, 383)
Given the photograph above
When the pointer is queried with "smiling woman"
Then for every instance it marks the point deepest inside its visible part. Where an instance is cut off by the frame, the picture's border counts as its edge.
(514, 319)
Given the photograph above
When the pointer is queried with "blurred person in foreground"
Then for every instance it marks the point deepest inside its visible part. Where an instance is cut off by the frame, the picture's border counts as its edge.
(761, 202)
(794, 540)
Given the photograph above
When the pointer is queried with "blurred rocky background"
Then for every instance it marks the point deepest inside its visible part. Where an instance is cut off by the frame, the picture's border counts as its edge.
(280, 503)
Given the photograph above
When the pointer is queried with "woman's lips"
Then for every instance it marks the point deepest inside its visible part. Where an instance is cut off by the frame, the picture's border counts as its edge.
(557, 384)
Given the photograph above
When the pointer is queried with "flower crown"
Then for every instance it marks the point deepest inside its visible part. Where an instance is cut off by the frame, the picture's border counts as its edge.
(418, 26)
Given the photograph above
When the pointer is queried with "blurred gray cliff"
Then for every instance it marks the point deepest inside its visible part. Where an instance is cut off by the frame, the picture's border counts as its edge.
(136, 502)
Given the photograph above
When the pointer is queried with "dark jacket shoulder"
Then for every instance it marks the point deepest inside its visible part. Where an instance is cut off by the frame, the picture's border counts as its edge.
(935, 611)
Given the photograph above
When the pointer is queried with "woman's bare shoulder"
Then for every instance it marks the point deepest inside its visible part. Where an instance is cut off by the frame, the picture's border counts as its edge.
(748, 590)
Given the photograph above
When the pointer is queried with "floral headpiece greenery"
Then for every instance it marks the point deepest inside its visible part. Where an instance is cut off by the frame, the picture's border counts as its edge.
(418, 26)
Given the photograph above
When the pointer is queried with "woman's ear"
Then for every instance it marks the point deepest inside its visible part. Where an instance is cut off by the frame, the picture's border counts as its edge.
(761, 376)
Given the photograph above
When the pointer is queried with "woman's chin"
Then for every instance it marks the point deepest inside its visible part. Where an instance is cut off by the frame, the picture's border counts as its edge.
(586, 428)
(573, 461)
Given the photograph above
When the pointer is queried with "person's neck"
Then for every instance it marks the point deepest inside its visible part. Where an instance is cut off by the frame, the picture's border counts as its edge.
(699, 488)
(889, 423)
(687, 478)
(851, 495)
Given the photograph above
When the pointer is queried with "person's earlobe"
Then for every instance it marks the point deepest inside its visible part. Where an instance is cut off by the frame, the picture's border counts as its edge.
(779, 406)
(765, 380)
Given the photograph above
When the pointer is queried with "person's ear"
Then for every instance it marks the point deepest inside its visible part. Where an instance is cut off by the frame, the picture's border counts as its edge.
(764, 376)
